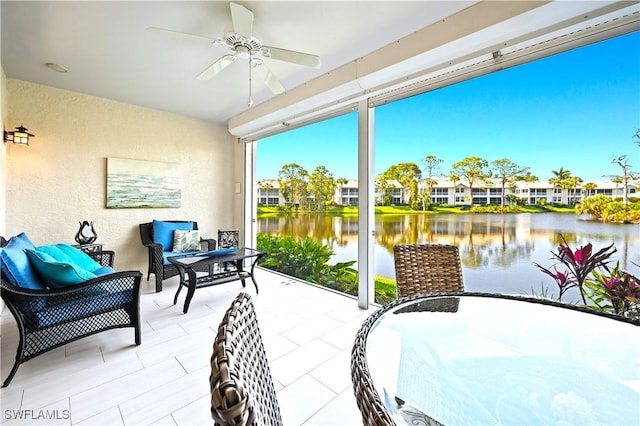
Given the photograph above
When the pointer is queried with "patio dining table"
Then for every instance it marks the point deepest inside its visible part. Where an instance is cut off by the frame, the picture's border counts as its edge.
(472, 358)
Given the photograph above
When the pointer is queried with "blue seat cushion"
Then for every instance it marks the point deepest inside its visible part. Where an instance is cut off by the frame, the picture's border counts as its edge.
(94, 301)
(163, 232)
(68, 254)
(57, 274)
(15, 264)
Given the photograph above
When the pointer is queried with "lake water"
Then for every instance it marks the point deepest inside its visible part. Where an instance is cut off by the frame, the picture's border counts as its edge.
(497, 251)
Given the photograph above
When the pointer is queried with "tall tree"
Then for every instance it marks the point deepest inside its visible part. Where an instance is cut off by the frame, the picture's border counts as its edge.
(473, 170)
(432, 169)
(265, 184)
(405, 174)
(508, 173)
(626, 176)
(321, 186)
(384, 188)
(292, 179)
(341, 182)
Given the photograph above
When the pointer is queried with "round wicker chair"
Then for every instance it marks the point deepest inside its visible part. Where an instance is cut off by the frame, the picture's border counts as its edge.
(371, 407)
(242, 391)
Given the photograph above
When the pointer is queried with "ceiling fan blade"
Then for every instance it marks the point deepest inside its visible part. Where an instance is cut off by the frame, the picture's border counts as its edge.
(216, 67)
(269, 79)
(242, 20)
(292, 56)
(182, 35)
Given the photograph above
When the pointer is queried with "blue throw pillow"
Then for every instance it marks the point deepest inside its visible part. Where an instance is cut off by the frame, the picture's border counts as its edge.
(15, 264)
(69, 254)
(104, 270)
(163, 232)
(57, 274)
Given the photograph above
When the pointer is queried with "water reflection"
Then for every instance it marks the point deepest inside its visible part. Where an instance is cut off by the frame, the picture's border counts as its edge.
(497, 251)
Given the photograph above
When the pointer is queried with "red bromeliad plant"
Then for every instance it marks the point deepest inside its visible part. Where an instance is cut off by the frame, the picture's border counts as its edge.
(578, 265)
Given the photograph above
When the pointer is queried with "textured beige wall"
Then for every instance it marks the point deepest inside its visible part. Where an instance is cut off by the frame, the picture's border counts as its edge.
(60, 178)
(3, 152)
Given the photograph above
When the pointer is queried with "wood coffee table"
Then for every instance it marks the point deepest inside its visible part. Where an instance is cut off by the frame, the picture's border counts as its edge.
(230, 268)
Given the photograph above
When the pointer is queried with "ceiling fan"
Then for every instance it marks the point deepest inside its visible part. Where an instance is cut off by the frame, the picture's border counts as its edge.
(240, 39)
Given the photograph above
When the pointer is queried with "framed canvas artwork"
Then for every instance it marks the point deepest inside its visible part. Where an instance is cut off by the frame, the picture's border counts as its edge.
(143, 184)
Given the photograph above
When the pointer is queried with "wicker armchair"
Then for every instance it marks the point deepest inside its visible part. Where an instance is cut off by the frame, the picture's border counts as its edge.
(157, 265)
(48, 319)
(242, 391)
(427, 268)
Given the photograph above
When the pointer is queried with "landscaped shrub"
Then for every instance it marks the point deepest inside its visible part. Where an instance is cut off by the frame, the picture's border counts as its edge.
(308, 260)
(601, 287)
(494, 208)
(593, 206)
(305, 259)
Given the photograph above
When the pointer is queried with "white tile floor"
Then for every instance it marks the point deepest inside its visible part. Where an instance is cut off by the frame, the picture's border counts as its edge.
(106, 380)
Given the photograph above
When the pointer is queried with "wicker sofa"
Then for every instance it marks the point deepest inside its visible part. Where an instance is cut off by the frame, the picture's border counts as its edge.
(49, 318)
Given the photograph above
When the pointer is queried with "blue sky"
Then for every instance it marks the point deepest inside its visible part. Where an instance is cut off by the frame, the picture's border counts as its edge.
(575, 110)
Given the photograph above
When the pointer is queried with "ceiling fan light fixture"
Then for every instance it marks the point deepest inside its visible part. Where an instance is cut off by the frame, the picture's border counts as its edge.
(243, 52)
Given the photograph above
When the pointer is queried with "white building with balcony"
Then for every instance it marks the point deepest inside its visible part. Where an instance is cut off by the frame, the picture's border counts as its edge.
(458, 193)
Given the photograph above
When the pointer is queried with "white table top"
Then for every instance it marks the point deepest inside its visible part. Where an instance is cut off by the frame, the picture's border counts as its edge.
(492, 360)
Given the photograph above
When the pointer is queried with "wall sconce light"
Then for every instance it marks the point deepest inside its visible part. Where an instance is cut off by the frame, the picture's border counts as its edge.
(20, 136)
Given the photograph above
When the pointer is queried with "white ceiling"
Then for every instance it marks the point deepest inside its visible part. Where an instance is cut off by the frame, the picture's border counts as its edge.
(109, 53)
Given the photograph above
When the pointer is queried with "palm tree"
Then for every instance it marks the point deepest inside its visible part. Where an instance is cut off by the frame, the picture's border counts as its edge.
(341, 182)
(560, 181)
(589, 187)
(572, 184)
(432, 166)
(617, 180)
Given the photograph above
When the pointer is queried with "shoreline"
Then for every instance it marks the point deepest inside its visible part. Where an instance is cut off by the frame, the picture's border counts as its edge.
(403, 210)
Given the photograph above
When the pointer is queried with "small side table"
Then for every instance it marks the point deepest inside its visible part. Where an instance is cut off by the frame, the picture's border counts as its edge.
(89, 248)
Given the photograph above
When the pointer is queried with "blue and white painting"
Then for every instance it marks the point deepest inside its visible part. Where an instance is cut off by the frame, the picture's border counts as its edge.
(142, 184)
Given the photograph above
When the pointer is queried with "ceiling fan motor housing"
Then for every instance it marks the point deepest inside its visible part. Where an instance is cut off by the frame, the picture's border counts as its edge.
(244, 47)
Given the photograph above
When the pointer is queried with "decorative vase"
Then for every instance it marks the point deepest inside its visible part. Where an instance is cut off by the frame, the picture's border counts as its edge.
(228, 238)
(86, 234)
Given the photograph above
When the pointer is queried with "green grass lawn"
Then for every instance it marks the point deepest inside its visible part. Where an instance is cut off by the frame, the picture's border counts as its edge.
(352, 210)
(385, 289)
